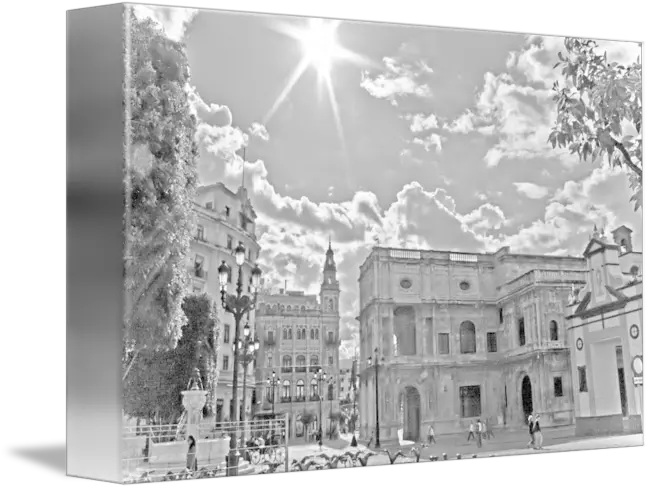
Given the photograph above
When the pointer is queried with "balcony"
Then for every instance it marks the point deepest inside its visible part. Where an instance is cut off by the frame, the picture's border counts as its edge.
(286, 369)
(567, 277)
(270, 340)
(299, 399)
(301, 369)
(200, 273)
(285, 399)
(555, 345)
(331, 340)
(314, 368)
(314, 398)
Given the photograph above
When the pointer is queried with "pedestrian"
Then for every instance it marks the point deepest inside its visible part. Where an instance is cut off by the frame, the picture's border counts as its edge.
(191, 456)
(431, 435)
(489, 430)
(479, 433)
(471, 432)
(484, 430)
(372, 436)
(530, 423)
(538, 435)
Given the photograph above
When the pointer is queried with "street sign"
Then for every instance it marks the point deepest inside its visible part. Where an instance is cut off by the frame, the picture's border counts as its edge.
(638, 380)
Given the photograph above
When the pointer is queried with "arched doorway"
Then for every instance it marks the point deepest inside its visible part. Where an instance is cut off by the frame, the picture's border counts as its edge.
(410, 412)
(526, 397)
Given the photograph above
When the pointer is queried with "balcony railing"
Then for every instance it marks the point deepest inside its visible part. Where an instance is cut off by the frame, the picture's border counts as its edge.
(200, 273)
(301, 369)
(332, 340)
(299, 399)
(314, 397)
(405, 254)
(544, 276)
(286, 369)
(555, 345)
(270, 340)
(285, 399)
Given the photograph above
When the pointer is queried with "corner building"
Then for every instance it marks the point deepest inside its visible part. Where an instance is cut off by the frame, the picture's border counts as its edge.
(224, 219)
(299, 334)
(464, 336)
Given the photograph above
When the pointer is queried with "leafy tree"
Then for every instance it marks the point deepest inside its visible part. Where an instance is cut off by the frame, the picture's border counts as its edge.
(596, 104)
(159, 219)
(152, 390)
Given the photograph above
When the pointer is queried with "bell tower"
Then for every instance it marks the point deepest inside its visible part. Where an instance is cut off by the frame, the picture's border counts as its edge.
(330, 286)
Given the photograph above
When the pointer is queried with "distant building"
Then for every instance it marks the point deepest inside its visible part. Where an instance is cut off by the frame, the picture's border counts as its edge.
(299, 335)
(224, 219)
(464, 336)
(346, 390)
(605, 325)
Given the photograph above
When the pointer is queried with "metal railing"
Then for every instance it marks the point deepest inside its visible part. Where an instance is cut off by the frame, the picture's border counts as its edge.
(161, 452)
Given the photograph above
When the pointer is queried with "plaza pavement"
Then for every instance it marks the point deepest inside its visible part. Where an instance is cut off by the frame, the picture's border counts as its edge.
(507, 444)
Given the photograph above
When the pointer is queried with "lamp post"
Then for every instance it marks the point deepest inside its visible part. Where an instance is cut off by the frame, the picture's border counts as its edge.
(247, 348)
(377, 444)
(321, 377)
(238, 305)
(273, 383)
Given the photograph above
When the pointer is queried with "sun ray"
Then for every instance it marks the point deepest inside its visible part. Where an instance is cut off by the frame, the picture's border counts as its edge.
(335, 109)
(296, 75)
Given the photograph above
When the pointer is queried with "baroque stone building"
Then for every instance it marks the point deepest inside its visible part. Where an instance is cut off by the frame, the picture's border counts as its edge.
(224, 219)
(299, 335)
(462, 336)
(605, 324)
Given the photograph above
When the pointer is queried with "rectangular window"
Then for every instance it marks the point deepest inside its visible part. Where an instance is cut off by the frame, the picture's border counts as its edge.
(200, 232)
(330, 360)
(429, 335)
(470, 401)
(443, 343)
(583, 379)
(199, 266)
(229, 243)
(243, 222)
(230, 277)
(269, 362)
(521, 331)
(270, 335)
(227, 331)
(209, 205)
(558, 386)
(501, 317)
(227, 211)
(225, 363)
(492, 342)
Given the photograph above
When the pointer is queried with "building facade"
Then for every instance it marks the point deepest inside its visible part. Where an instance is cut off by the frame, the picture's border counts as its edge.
(346, 390)
(299, 335)
(605, 324)
(462, 336)
(224, 219)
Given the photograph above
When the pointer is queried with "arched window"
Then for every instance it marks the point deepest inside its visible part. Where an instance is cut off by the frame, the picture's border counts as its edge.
(624, 246)
(284, 333)
(634, 271)
(289, 333)
(314, 360)
(330, 392)
(287, 389)
(467, 337)
(311, 333)
(298, 334)
(287, 361)
(316, 334)
(554, 331)
(300, 389)
(405, 331)
(300, 361)
(289, 308)
(314, 388)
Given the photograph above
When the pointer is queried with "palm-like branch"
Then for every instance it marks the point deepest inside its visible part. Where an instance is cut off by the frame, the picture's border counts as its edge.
(363, 459)
(394, 457)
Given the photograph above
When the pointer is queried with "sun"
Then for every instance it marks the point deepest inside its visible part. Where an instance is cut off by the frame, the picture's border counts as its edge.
(320, 46)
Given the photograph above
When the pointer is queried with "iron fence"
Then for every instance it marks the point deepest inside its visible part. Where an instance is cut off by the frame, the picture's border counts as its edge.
(161, 452)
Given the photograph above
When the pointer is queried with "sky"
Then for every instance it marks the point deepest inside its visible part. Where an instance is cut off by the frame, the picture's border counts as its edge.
(414, 137)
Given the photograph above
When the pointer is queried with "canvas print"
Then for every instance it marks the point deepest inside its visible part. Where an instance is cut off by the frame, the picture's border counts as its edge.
(355, 244)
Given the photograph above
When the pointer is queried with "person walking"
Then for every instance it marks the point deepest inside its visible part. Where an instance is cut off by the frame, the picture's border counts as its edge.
(191, 455)
(479, 433)
(530, 423)
(538, 435)
(431, 435)
(471, 432)
(484, 430)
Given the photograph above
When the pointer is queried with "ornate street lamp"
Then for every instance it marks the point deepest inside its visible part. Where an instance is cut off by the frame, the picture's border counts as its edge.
(321, 377)
(238, 305)
(247, 349)
(377, 443)
(272, 383)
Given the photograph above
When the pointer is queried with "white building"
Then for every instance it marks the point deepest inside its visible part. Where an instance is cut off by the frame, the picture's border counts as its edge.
(224, 219)
(605, 324)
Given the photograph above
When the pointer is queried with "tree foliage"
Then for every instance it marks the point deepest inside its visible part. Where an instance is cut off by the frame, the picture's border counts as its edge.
(152, 390)
(600, 110)
(159, 219)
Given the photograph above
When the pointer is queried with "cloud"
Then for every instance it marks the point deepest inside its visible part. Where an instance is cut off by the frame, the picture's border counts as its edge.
(174, 20)
(259, 130)
(421, 122)
(404, 75)
(531, 190)
(432, 140)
